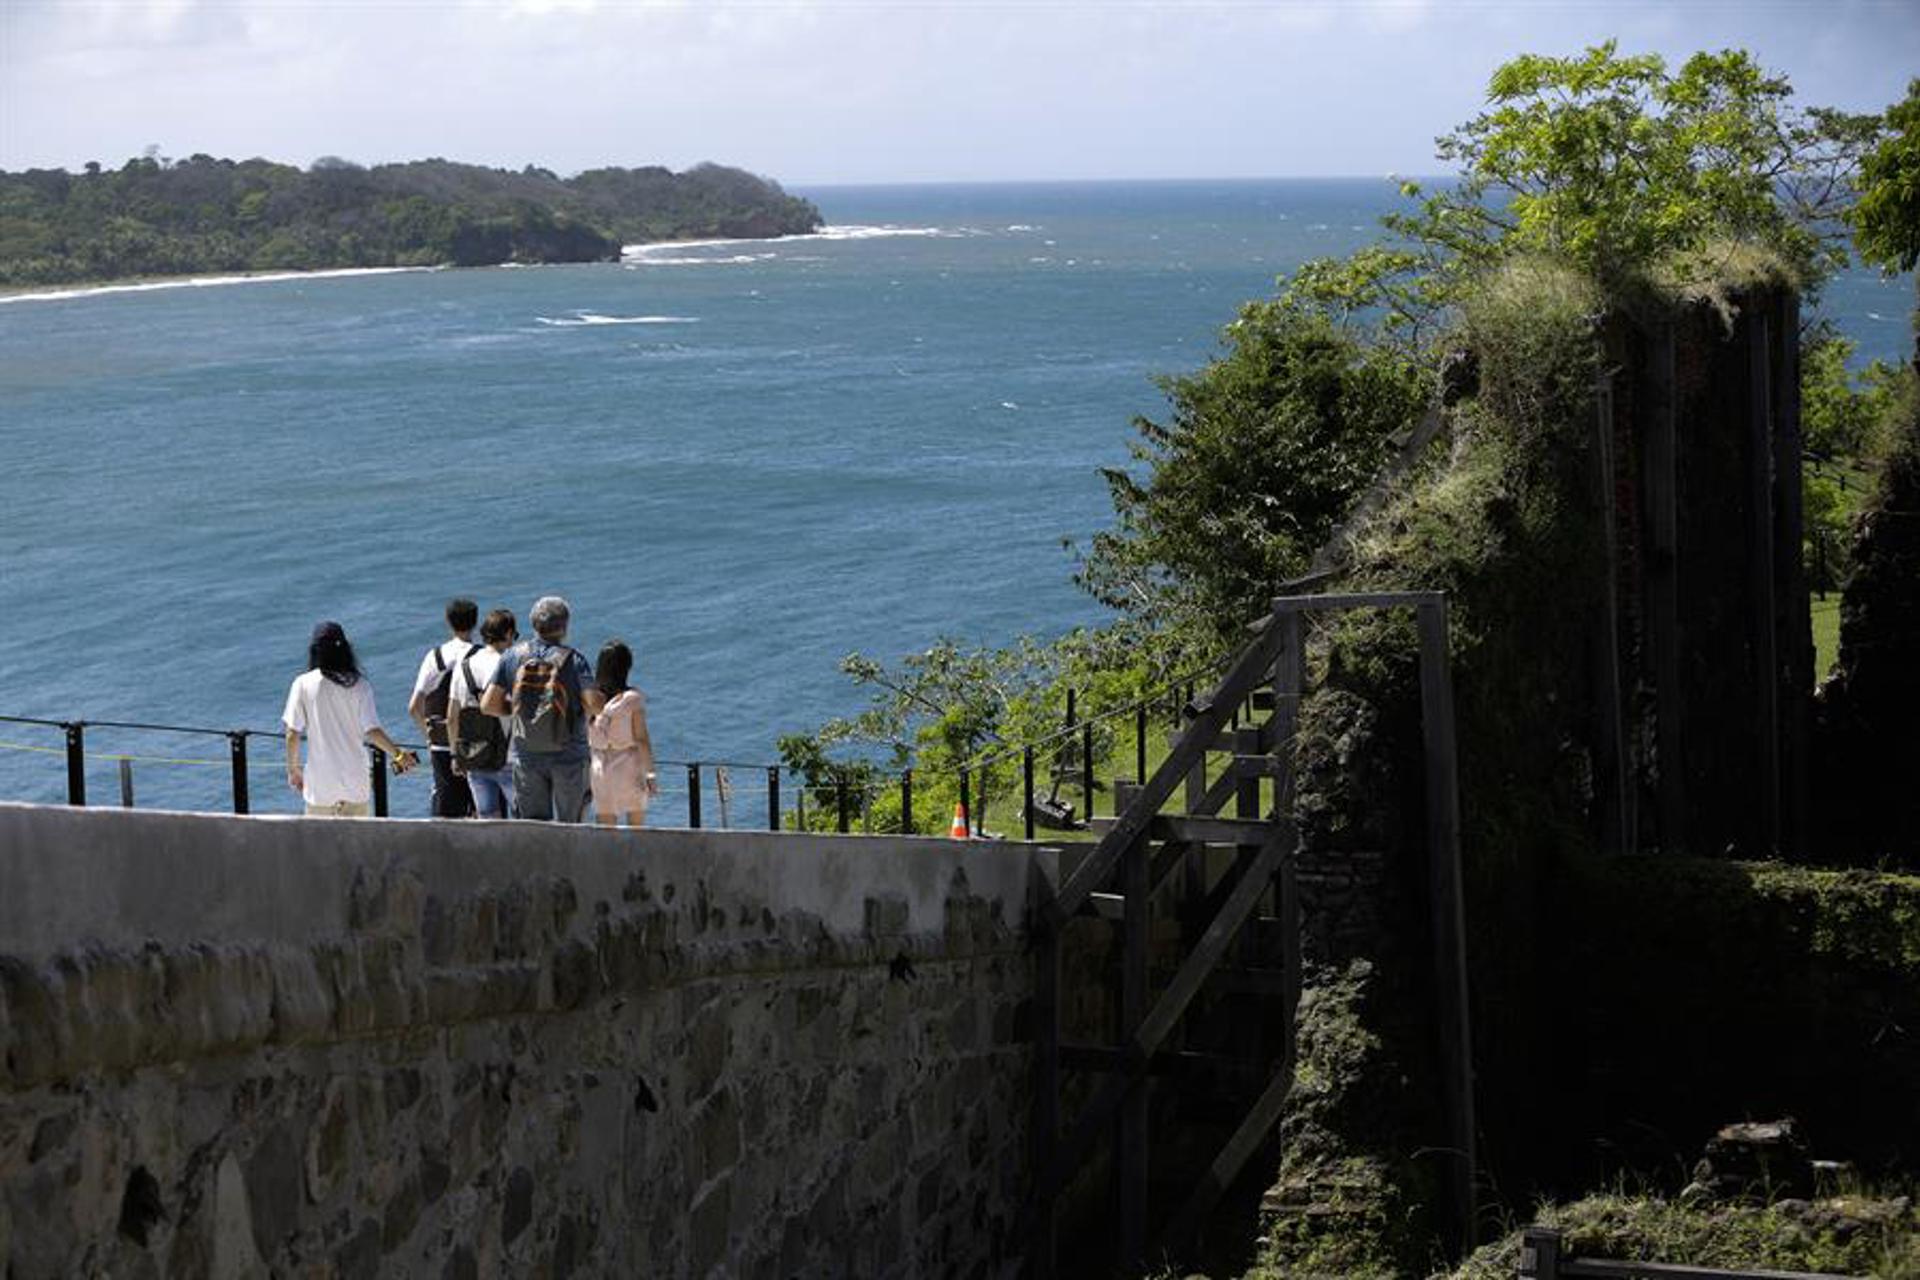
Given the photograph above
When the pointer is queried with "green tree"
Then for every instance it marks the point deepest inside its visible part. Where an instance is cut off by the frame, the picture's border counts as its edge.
(1263, 453)
(1886, 220)
(1847, 420)
(1617, 164)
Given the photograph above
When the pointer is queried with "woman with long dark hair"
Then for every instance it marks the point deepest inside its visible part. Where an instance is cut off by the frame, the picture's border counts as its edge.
(623, 778)
(331, 706)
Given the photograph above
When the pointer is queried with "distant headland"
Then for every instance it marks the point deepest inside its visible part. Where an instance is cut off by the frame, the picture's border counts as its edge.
(154, 217)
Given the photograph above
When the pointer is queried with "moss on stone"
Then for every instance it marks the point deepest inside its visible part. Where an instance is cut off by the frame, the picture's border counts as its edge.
(1844, 1235)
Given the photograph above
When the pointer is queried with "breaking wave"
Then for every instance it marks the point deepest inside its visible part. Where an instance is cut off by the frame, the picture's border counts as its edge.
(580, 318)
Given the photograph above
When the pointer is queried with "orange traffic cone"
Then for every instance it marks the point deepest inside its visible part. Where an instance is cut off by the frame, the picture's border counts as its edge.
(959, 829)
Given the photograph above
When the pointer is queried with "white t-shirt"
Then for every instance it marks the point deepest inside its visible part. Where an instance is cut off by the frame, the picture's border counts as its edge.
(452, 650)
(483, 664)
(335, 719)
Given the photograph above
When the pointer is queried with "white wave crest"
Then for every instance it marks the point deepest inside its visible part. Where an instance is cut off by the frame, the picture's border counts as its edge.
(579, 318)
(672, 253)
(202, 282)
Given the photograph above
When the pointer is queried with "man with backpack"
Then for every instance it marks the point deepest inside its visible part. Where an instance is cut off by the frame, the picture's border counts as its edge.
(428, 707)
(479, 741)
(548, 690)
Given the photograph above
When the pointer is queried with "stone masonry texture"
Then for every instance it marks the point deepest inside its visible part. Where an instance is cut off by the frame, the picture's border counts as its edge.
(240, 1047)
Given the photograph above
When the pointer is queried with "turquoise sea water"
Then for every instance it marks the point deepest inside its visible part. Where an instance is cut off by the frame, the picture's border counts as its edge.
(746, 459)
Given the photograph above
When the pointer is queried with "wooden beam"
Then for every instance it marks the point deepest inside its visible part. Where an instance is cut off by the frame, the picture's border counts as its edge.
(1198, 829)
(1133, 1161)
(1613, 792)
(1190, 751)
(1793, 621)
(1247, 1137)
(1185, 983)
(1760, 623)
(1166, 1064)
(1043, 1142)
(1660, 484)
(1139, 1049)
(1449, 914)
(1342, 600)
(1608, 1269)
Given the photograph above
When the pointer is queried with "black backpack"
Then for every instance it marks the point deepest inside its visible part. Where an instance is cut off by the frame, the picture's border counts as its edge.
(483, 743)
(437, 697)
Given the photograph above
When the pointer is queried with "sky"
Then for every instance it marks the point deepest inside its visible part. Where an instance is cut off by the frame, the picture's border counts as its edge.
(844, 91)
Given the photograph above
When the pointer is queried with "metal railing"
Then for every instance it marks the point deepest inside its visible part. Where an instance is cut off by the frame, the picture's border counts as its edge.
(850, 792)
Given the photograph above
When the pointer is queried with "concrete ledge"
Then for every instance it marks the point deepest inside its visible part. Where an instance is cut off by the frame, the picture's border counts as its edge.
(115, 878)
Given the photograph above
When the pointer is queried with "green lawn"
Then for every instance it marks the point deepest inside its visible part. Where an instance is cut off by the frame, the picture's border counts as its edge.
(1826, 634)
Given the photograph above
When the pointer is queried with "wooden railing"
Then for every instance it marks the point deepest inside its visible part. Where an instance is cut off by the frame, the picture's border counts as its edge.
(1543, 1258)
(1131, 873)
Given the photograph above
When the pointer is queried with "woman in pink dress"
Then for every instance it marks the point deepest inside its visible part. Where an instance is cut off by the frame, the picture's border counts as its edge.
(623, 778)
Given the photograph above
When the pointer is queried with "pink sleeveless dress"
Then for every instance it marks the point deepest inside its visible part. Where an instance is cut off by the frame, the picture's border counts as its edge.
(619, 774)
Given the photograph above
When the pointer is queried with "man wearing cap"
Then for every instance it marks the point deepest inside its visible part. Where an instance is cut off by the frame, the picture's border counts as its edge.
(548, 784)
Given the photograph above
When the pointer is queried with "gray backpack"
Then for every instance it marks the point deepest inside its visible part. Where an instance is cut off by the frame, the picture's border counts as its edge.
(543, 709)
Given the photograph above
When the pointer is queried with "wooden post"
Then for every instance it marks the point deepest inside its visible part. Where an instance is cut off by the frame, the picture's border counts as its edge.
(1761, 612)
(1194, 873)
(1793, 620)
(1044, 1140)
(1449, 912)
(1660, 483)
(1611, 785)
(1539, 1254)
(1139, 746)
(1131, 1162)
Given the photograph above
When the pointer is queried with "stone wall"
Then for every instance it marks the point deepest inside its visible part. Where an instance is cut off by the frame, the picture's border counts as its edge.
(251, 1046)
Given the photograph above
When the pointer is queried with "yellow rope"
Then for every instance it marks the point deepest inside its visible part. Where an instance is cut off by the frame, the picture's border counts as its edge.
(105, 755)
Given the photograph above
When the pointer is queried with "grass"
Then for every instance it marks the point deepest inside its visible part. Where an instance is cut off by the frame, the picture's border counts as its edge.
(1875, 1235)
(1826, 633)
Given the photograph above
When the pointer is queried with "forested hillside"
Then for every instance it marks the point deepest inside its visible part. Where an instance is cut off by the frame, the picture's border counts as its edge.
(154, 217)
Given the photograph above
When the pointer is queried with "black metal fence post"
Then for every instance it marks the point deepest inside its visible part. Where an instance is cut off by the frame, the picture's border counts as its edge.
(773, 798)
(237, 749)
(378, 764)
(906, 802)
(840, 801)
(1026, 786)
(76, 762)
(966, 803)
(126, 783)
(693, 795)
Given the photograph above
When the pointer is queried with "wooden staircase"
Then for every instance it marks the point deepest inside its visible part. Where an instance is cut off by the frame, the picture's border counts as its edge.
(1208, 924)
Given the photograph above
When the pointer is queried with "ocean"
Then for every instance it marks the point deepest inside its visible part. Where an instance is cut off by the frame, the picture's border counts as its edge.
(747, 459)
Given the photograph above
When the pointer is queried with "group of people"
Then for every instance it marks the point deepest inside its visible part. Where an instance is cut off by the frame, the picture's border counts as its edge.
(515, 728)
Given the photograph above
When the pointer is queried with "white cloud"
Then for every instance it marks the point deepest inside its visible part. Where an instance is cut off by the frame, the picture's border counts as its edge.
(845, 89)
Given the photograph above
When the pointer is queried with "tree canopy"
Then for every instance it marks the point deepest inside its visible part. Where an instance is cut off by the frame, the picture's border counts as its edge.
(1617, 164)
(163, 217)
(1886, 221)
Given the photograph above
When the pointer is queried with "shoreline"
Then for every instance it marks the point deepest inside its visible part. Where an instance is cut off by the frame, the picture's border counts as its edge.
(146, 284)
(637, 252)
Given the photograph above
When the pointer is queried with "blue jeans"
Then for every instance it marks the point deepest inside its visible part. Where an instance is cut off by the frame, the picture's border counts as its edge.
(550, 788)
(492, 793)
